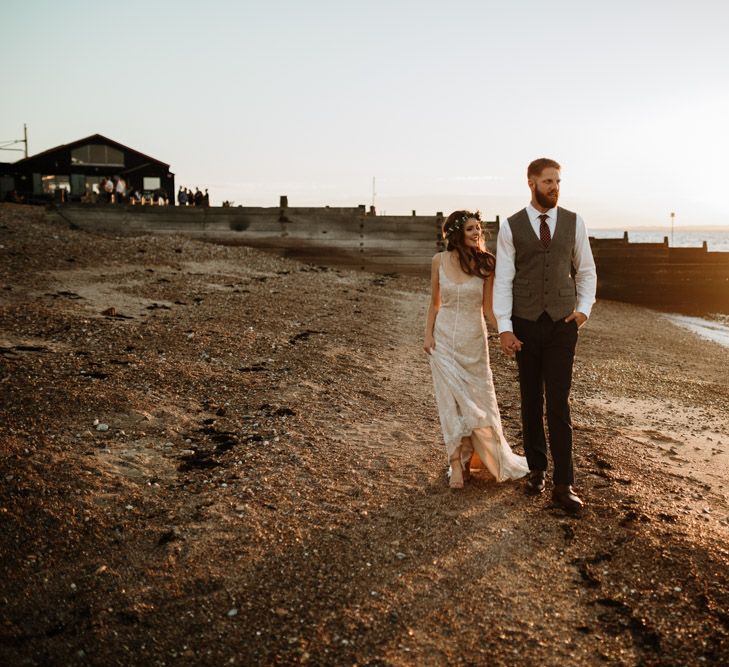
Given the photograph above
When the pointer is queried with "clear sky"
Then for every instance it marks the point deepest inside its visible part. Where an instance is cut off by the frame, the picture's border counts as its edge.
(445, 103)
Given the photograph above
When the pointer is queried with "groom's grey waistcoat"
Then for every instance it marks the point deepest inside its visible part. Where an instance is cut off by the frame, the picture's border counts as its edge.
(543, 281)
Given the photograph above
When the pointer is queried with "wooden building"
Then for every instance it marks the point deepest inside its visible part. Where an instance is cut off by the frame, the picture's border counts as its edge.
(80, 166)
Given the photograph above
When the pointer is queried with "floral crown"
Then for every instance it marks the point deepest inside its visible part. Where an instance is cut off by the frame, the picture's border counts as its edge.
(459, 222)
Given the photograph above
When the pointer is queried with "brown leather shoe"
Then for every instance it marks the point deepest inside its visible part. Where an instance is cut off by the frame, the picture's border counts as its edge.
(535, 482)
(565, 497)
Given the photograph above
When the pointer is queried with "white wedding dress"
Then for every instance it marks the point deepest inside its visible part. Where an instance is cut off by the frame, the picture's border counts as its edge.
(462, 379)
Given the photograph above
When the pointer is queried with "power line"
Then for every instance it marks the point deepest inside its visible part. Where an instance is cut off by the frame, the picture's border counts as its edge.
(5, 144)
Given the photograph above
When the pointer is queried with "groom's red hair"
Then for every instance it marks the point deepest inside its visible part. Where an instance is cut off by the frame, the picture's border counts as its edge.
(538, 166)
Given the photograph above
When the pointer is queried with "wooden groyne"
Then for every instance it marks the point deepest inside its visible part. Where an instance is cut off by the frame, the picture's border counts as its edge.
(653, 274)
(656, 274)
(351, 237)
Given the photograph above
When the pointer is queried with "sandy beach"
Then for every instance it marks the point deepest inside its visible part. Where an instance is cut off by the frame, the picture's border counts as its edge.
(210, 455)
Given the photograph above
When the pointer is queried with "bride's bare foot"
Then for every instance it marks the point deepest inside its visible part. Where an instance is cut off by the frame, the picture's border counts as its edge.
(456, 481)
(467, 471)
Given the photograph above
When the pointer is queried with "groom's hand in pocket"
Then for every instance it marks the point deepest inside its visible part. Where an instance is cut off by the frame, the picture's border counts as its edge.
(579, 317)
(510, 344)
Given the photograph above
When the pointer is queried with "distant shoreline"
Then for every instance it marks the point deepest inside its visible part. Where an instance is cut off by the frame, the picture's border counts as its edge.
(664, 229)
(716, 238)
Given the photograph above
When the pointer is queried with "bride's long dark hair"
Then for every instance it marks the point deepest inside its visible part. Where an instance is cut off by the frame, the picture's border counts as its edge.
(477, 262)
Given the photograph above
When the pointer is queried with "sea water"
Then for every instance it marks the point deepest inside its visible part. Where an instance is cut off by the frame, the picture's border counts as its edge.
(717, 240)
(715, 329)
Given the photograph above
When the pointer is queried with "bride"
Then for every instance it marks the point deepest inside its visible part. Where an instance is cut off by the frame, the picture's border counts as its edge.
(455, 340)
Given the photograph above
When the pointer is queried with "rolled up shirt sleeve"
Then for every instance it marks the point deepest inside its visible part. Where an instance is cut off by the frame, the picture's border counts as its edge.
(504, 278)
(586, 274)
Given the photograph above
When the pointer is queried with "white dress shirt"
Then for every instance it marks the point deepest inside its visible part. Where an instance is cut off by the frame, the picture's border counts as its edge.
(585, 276)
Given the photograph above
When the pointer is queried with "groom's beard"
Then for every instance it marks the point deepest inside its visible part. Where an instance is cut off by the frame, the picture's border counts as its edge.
(546, 200)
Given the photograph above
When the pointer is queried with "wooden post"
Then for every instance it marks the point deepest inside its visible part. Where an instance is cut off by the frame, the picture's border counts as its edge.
(439, 244)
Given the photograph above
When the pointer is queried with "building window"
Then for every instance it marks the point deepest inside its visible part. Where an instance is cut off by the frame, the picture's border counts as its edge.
(52, 183)
(97, 154)
(151, 183)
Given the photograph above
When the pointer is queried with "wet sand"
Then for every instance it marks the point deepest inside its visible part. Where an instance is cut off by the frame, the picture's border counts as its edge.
(271, 486)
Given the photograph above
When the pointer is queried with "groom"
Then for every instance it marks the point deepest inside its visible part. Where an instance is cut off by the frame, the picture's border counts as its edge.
(544, 288)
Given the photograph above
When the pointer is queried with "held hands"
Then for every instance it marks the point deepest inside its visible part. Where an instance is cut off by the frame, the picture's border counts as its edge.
(579, 317)
(510, 344)
(429, 344)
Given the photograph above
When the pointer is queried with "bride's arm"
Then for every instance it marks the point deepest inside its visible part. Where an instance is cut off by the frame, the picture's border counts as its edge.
(488, 302)
(434, 306)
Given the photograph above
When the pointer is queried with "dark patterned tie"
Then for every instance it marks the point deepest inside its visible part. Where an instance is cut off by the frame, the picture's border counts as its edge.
(544, 234)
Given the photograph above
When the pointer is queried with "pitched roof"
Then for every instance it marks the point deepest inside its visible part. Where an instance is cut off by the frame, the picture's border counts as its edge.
(94, 138)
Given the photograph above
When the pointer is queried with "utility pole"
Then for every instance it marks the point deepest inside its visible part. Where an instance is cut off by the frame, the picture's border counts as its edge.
(373, 192)
(7, 145)
(673, 215)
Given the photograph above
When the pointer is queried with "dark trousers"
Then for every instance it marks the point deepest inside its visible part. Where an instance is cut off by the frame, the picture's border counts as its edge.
(545, 368)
